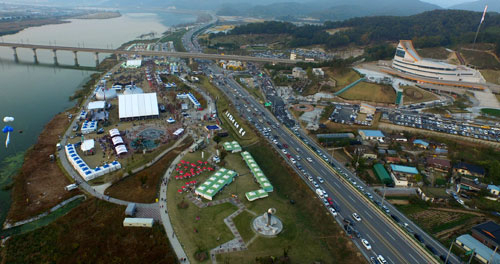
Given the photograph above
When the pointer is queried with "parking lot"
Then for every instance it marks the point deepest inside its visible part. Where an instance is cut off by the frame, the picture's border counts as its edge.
(450, 126)
(349, 114)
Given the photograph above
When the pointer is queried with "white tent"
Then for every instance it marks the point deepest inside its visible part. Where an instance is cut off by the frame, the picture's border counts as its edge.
(87, 145)
(96, 105)
(114, 132)
(117, 141)
(134, 63)
(120, 149)
(178, 131)
(137, 105)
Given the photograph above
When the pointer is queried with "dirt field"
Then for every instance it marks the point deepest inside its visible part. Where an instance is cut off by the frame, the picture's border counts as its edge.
(491, 76)
(439, 53)
(143, 186)
(412, 95)
(370, 92)
(480, 59)
(36, 190)
(91, 233)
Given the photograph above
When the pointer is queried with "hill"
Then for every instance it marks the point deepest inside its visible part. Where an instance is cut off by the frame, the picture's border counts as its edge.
(329, 10)
(429, 29)
(493, 5)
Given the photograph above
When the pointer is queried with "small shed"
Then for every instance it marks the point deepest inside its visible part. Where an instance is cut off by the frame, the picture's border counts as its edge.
(131, 209)
(138, 222)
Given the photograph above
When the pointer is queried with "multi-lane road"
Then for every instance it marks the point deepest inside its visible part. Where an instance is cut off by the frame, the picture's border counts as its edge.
(387, 237)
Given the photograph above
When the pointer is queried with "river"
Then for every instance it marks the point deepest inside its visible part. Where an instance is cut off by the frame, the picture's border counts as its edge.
(33, 94)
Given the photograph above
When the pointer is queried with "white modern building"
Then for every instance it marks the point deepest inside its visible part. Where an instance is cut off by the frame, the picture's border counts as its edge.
(408, 61)
(133, 106)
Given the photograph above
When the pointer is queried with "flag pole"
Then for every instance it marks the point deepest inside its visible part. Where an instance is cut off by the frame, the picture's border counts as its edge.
(478, 27)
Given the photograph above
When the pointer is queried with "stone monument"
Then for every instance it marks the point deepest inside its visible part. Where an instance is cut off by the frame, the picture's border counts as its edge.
(267, 224)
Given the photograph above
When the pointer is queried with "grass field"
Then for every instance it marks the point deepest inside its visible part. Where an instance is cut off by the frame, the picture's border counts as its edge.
(491, 112)
(176, 37)
(272, 40)
(412, 95)
(222, 105)
(370, 92)
(480, 59)
(91, 233)
(143, 187)
(306, 223)
(439, 53)
(491, 76)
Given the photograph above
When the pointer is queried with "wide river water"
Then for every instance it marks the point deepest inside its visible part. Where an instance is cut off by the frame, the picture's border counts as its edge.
(33, 94)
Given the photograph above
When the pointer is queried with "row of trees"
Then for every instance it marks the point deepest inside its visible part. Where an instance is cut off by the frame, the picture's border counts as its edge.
(428, 29)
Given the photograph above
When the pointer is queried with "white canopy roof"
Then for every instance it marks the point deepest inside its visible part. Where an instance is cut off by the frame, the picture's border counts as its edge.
(134, 63)
(87, 145)
(120, 149)
(178, 131)
(114, 132)
(96, 105)
(117, 140)
(137, 105)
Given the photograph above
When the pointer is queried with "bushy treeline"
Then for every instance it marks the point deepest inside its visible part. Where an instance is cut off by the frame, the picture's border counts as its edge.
(428, 29)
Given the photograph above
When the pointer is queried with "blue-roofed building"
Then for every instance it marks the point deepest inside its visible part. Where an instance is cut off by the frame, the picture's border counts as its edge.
(481, 252)
(371, 134)
(403, 176)
(494, 189)
(421, 143)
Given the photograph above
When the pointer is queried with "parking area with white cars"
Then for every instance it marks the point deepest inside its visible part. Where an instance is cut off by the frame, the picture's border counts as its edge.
(349, 114)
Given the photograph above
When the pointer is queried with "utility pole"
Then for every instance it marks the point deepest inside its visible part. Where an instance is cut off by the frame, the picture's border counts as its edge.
(493, 254)
(449, 251)
(383, 197)
(471, 255)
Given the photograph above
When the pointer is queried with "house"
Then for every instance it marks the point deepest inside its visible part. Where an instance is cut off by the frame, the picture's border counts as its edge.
(367, 109)
(482, 253)
(365, 152)
(403, 175)
(420, 143)
(318, 72)
(494, 189)
(467, 184)
(372, 135)
(390, 160)
(299, 73)
(382, 174)
(437, 164)
(487, 233)
(467, 169)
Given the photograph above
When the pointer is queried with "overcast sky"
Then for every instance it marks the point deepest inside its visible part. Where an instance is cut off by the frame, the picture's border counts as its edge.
(446, 3)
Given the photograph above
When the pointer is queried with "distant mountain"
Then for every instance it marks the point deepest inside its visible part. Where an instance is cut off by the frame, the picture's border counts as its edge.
(493, 5)
(331, 10)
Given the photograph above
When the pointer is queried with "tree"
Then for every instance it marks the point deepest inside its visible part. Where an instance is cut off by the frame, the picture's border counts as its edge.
(217, 139)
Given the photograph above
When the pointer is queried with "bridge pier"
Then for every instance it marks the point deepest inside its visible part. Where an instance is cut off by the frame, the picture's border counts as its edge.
(191, 60)
(16, 58)
(75, 55)
(55, 56)
(35, 57)
(97, 59)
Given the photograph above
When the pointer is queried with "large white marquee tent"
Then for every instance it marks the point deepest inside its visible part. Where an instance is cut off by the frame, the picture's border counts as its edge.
(137, 105)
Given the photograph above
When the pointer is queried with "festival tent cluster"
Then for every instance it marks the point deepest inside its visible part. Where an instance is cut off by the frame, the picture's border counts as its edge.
(215, 183)
(83, 169)
(232, 147)
(259, 177)
(188, 169)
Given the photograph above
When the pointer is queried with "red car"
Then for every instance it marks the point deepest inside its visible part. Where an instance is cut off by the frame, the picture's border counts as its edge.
(330, 201)
(288, 156)
(285, 145)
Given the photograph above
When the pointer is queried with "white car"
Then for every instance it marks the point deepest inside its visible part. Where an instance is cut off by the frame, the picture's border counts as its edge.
(320, 180)
(284, 151)
(366, 244)
(310, 160)
(310, 178)
(356, 217)
(334, 213)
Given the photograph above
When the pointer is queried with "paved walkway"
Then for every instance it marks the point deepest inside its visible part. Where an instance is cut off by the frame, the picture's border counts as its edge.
(236, 244)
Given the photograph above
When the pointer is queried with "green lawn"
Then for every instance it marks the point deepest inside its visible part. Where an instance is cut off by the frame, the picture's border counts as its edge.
(176, 37)
(491, 112)
(491, 76)
(243, 222)
(370, 92)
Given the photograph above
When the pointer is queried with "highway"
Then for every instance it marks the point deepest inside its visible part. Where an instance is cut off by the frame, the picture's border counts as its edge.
(385, 236)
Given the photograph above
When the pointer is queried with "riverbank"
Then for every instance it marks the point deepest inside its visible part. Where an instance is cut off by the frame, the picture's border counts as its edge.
(39, 184)
(8, 28)
(100, 15)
